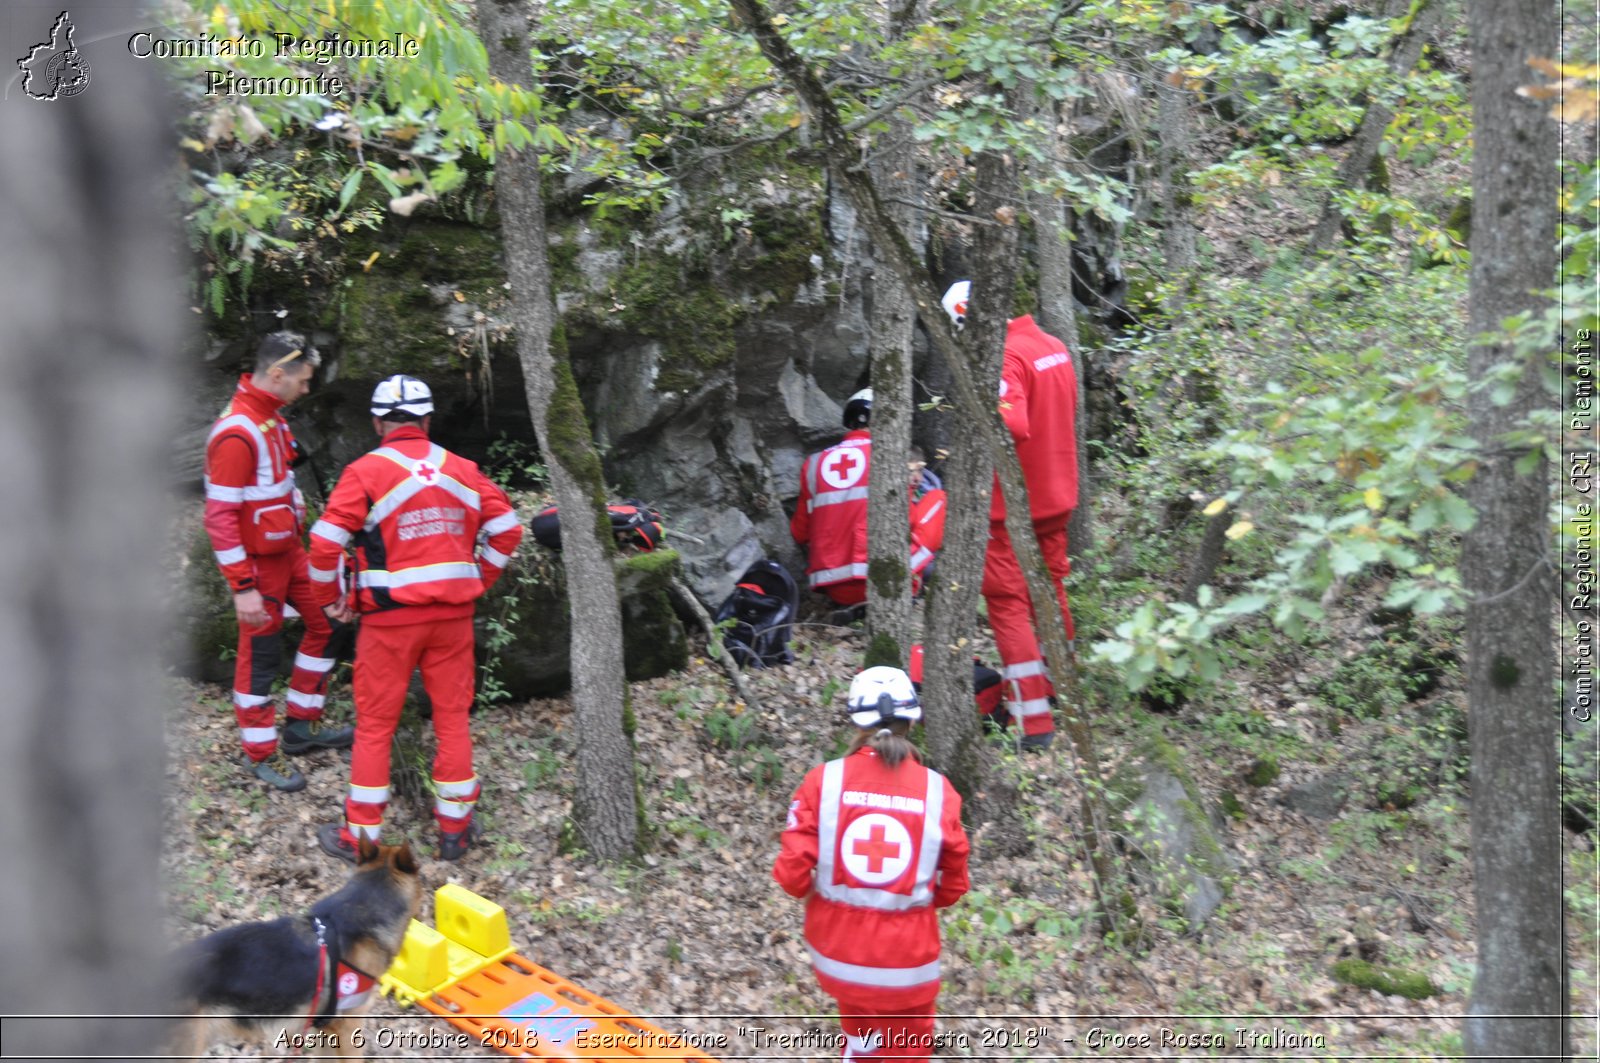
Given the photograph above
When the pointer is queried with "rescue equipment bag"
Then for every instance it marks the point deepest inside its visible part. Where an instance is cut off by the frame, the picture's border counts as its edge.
(762, 608)
(632, 522)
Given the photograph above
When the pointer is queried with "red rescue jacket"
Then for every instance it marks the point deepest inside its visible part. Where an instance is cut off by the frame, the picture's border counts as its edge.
(927, 529)
(879, 849)
(1039, 402)
(252, 508)
(830, 519)
(415, 513)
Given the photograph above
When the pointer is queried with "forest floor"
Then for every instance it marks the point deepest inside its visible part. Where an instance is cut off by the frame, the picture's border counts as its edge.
(698, 938)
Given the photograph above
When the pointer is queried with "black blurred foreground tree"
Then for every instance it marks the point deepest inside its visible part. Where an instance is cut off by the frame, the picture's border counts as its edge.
(93, 320)
(1516, 821)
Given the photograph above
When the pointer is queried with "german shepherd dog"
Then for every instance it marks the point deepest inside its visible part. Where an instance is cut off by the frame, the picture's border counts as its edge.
(283, 981)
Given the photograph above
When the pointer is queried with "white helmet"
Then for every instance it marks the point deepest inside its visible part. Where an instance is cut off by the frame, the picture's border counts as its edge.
(401, 394)
(955, 301)
(880, 695)
(858, 409)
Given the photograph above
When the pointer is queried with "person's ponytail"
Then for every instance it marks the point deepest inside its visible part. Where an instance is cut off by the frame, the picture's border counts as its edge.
(889, 742)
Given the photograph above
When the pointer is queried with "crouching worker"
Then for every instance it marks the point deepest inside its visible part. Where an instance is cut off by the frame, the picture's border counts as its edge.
(430, 533)
(830, 518)
(874, 845)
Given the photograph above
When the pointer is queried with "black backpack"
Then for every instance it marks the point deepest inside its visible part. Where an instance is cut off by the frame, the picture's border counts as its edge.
(632, 522)
(762, 608)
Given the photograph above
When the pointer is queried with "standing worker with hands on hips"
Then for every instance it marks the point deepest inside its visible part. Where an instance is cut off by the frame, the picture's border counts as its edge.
(254, 515)
(1039, 403)
(431, 533)
(874, 845)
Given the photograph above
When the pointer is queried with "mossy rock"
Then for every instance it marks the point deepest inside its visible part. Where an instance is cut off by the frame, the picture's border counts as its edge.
(694, 321)
(205, 640)
(207, 633)
(388, 319)
(1392, 981)
(654, 642)
(532, 603)
(1175, 836)
(1263, 772)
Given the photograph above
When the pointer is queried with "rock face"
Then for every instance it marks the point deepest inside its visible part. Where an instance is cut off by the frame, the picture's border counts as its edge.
(714, 342)
(1176, 835)
(714, 347)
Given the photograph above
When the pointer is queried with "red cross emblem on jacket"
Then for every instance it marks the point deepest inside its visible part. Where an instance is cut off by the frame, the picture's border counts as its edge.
(843, 468)
(877, 848)
(424, 472)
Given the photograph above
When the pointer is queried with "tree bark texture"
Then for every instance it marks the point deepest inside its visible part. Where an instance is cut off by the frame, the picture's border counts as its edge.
(93, 320)
(1177, 204)
(1058, 313)
(893, 326)
(976, 402)
(1516, 820)
(1369, 134)
(605, 806)
(954, 732)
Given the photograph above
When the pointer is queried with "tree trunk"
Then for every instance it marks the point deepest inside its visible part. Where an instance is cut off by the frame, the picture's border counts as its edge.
(954, 735)
(1058, 313)
(1178, 252)
(1177, 205)
(976, 403)
(606, 805)
(93, 319)
(1369, 134)
(954, 732)
(1208, 557)
(1516, 818)
(893, 325)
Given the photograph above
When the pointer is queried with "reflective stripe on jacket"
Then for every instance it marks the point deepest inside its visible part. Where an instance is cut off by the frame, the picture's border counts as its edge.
(830, 518)
(882, 848)
(252, 509)
(427, 526)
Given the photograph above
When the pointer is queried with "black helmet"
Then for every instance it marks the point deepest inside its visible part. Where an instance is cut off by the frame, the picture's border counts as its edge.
(858, 411)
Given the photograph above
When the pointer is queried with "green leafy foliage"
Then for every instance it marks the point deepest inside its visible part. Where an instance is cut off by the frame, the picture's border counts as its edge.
(1337, 420)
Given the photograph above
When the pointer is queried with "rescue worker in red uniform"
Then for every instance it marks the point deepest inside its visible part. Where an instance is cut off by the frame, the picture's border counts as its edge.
(430, 534)
(1039, 403)
(874, 845)
(830, 519)
(253, 517)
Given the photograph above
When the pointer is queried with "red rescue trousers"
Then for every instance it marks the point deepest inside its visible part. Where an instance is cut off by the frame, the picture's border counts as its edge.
(281, 578)
(872, 1033)
(1023, 676)
(386, 655)
(850, 592)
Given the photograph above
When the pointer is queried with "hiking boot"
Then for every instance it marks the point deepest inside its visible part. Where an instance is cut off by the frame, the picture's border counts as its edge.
(453, 845)
(1038, 743)
(278, 773)
(302, 736)
(849, 614)
(330, 836)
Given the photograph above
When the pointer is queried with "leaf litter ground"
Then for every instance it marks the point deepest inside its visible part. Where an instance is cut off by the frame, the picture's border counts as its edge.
(699, 938)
